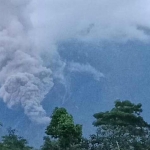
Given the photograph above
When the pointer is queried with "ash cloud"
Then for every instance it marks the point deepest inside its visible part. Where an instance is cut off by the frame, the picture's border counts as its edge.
(23, 78)
(90, 21)
(31, 28)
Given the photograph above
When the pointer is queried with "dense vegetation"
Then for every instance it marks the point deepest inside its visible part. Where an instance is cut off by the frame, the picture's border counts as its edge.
(121, 128)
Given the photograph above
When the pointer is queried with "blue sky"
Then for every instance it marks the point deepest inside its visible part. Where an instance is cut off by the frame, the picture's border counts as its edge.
(73, 54)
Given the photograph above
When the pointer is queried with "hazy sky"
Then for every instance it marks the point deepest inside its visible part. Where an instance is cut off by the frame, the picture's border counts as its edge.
(79, 54)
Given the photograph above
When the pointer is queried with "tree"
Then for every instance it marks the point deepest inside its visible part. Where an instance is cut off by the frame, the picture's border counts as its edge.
(50, 144)
(123, 125)
(14, 142)
(62, 127)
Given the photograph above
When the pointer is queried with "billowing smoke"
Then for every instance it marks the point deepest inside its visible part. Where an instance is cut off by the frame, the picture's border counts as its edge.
(23, 78)
(90, 20)
(31, 28)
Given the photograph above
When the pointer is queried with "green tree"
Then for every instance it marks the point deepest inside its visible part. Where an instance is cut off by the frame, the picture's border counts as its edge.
(14, 142)
(50, 144)
(62, 127)
(123, 125)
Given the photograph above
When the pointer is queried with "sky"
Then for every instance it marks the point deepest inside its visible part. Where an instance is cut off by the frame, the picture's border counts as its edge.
(81, 55)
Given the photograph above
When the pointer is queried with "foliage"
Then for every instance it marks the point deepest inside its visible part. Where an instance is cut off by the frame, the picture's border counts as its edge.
(13, 142)
(62, 127)
(121, 128)
(123, 124)
(50, 144)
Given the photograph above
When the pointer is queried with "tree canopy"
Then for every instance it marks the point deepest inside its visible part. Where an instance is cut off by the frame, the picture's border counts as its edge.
(12, 141)
(122, 124)
(62, 127)
(120, 128)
